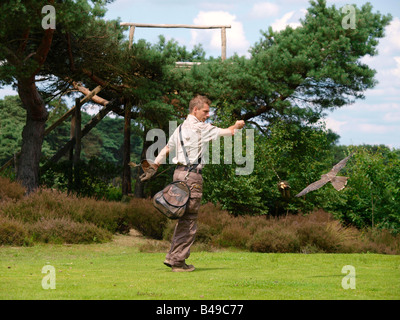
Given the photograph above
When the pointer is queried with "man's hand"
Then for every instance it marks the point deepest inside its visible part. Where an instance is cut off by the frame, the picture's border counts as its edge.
(239, 124)
(149, 172)
(231, 130)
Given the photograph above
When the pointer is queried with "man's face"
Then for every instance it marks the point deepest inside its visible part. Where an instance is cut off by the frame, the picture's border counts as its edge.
(202, 114)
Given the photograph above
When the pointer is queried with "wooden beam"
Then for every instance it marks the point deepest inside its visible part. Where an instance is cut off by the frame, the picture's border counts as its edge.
(88, 95)
(187, 26)
(186, 64)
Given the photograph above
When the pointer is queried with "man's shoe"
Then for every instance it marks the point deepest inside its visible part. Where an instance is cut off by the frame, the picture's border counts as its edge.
(168, 263)
(183, 268)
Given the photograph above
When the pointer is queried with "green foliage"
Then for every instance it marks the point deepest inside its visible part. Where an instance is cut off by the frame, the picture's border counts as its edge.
(281, 91)
(93, 178)
(12, 120)
(295, 73)
(372, 195)
(289, 151)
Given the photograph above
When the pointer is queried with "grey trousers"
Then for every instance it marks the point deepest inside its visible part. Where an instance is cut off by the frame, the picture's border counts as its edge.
(186, 226)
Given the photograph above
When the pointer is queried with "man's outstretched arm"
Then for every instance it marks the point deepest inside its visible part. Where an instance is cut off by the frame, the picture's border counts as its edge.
(231, 130)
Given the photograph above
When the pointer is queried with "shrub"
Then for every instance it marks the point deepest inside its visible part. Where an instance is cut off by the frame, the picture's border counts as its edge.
(64, 230)
(272, 239)
(146, 219)
(10, 189)
(13, 232)
(235, 234)
(51, 204)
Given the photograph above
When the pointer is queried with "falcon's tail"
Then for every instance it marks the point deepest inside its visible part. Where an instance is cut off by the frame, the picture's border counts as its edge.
(339, 182)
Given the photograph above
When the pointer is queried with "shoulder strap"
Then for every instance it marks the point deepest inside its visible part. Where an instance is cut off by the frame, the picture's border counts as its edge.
(192, 166)
(183, 146)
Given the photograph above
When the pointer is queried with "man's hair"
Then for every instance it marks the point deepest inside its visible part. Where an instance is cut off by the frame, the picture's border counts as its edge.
(198, 101)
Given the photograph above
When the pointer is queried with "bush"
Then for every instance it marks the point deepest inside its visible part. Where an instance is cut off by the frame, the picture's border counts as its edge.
(50, 204)
(315, 232)
(52, 216)
(67, 231)
(271, 239)
(146, 219)
(13, 232)
(10, 190)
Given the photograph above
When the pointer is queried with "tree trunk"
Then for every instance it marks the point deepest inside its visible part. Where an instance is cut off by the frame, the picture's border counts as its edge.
(126, 174)
(32, 134)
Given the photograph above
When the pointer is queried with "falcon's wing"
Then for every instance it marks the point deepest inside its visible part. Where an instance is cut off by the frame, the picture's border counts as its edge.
(336, 168)
(339, 182)
(313, 186)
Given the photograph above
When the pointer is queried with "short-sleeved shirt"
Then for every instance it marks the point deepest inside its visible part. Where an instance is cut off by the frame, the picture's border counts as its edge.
(195, 134)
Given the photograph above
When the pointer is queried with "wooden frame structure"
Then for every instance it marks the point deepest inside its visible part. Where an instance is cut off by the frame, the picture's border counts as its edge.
(73, 146)
(223, 28)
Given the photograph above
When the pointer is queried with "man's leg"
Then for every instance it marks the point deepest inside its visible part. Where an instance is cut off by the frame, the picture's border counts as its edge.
(182, 240)
(186, 227)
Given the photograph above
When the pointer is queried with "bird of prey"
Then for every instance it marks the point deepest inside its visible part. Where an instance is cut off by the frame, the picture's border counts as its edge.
(284, 189)
(338, 182)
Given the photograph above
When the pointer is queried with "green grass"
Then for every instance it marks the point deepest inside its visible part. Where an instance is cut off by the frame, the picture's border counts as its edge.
(118, 270)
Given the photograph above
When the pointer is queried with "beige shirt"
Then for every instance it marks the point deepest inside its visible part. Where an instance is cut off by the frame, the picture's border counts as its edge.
(196, 134)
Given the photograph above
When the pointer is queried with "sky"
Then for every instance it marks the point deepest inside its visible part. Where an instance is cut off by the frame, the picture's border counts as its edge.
(373, 120)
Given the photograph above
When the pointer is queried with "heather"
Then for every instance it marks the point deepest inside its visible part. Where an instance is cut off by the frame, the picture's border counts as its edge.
(51, 216)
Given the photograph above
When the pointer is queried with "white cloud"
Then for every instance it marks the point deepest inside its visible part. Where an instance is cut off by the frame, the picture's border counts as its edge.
(391, 41)
(289, 19)
(7, 91)
(376, 128)
(335, 125)
(211, 39)
(396, 71)
(262, 10)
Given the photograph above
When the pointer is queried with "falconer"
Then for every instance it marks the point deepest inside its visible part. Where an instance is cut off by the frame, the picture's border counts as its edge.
(195, 133)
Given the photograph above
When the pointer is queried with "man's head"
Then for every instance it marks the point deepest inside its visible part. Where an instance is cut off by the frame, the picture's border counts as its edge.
(199, 106)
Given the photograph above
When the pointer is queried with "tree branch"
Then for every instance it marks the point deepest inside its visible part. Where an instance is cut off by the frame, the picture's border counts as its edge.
(43, 50)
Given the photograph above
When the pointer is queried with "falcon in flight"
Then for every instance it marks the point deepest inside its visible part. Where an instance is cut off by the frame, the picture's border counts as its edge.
(338, 182)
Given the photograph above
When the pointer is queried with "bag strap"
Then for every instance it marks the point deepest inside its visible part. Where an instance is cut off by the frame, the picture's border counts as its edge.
(191, 166)
(183, 146)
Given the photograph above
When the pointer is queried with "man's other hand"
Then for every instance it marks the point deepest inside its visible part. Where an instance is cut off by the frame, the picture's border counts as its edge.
(149, 172)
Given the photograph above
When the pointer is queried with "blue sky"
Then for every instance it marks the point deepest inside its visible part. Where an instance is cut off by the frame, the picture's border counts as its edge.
(374, 120)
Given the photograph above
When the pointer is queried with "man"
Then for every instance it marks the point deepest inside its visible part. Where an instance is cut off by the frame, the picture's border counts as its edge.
(195, 133)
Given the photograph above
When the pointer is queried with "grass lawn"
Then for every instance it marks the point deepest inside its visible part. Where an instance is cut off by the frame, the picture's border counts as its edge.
(118, 270)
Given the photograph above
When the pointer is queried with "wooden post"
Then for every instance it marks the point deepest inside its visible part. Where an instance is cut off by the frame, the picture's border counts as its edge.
(72, 136)
(86, 129)
(126, 173)
(131, 33)
(223, 43)
(75, 152)
(71, 152)
(77, 133)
